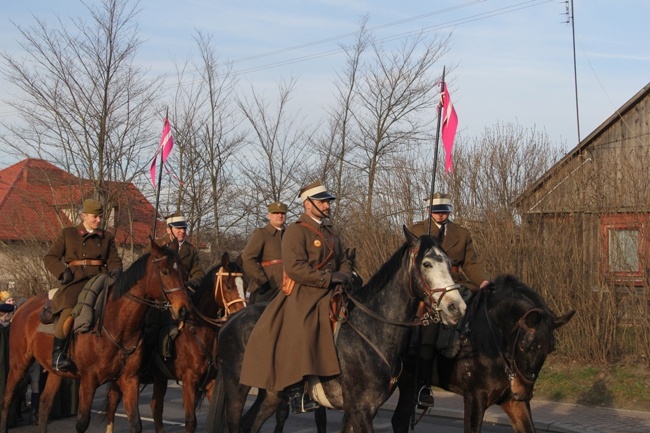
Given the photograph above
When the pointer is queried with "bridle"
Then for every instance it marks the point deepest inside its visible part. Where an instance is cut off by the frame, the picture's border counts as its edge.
(511, 368)
(219, 295)
(160, 305)
(163, 305)
(419, 321)
(432, 315)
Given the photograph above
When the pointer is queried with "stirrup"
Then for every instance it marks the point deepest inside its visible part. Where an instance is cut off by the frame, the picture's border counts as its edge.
(302, 403)
(425, 397)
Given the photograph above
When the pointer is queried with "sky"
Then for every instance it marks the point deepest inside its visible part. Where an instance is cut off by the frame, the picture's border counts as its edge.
(511, 61)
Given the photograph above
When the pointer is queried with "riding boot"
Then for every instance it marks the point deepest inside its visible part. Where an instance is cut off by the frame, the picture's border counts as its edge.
(60, 360)
(300, 400)
(425, 391)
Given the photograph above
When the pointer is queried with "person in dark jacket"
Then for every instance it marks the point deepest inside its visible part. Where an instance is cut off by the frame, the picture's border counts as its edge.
(189, 254)
(294, 334)
(78, 254)
(467, 270)
(262, 256)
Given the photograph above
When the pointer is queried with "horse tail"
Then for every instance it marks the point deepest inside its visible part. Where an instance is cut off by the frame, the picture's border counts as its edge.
(216, 422)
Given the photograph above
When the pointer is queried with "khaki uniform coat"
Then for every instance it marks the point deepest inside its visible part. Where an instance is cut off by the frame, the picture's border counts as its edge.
(264, 245)
(293, 337)
(76, 243)
(457, 244)
(189, 255)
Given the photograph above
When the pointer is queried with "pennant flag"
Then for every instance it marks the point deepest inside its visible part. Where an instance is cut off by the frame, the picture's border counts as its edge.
(166, 145)
(449, 126)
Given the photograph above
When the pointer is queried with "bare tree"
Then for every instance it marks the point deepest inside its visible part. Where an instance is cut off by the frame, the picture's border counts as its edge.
(396, 91)
(274, 161)
(208, 135)
(83, 103)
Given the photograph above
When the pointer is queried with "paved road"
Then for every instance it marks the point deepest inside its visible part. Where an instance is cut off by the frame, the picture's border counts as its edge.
(303, 423)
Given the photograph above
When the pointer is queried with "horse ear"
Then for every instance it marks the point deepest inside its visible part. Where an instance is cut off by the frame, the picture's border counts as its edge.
(156, 249)
(352, 254)
(239, 261)
(562, 320)
(410, 237)
(225, 260)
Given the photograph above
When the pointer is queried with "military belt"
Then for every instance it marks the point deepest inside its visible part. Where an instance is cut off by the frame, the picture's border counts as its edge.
(271, 262)
(86, 263)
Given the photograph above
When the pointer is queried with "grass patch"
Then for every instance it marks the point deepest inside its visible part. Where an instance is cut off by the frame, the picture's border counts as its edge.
(623, 386)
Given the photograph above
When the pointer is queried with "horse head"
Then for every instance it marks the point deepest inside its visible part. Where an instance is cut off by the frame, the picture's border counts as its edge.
(431, 278)
(527, 325)
(165, 281)
(230, 286)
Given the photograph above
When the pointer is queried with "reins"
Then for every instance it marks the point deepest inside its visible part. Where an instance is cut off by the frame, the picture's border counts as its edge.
(419, 321)
(159, 305)
(511, 369)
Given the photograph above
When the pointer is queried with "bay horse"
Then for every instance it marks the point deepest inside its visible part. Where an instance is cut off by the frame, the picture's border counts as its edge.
(114, 352)
(220, 294)
(506, 336)
(370, 341)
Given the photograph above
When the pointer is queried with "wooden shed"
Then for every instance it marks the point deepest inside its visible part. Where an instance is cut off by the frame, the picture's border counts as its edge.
(595, 204)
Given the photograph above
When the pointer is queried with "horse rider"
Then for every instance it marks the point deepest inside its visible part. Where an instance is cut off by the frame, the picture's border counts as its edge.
(294, 332)
(262, 256)
(189, 254)
(78, 254)
(467, 270)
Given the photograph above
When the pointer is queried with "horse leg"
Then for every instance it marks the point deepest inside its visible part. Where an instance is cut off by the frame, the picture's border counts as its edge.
(113, 397)
(15, 376)
(475, 407)
(129, 387)
(158, 401)
(320, 417)
(250, 415)
(189, 404)
(52, 385)
(358, 420)
(520, 416)
(281, 416)
(269, 406)
(87, 388)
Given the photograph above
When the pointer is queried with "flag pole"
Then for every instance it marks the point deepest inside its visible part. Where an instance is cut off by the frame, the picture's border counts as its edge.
(155, 213)
(435, 153)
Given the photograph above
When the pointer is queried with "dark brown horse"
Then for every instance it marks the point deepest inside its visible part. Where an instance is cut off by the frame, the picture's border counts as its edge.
(195, 348)
(507, 333)
(154, 280)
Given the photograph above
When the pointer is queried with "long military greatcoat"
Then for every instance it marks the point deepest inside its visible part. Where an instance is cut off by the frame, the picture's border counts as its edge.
(264, 246)
(293, 337)
(457, 244)
(76, 243)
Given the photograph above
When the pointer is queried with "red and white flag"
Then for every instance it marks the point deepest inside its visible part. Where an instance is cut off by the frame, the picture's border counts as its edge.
(166, 145)
(449, 126)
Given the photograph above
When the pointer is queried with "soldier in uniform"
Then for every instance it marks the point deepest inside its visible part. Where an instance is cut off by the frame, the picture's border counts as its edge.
(262, 256)
(466, 270)
(294, 332)
(189, 254)
(78, 254)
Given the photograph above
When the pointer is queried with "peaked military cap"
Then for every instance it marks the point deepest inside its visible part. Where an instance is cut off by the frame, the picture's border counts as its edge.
(277, 207)
(440, 202)
(176, 220)
(93, 207)
(315, 191)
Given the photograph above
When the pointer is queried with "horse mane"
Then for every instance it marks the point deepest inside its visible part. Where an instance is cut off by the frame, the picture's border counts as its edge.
(381, 278)
(137, 271)
(507, 299)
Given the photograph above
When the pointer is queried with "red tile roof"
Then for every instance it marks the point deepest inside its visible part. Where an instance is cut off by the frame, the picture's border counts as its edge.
(34, 195)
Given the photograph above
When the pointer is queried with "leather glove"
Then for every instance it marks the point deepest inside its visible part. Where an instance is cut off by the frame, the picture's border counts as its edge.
(339, 277)
(115, 273)
(66, 277)
(192, 285)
